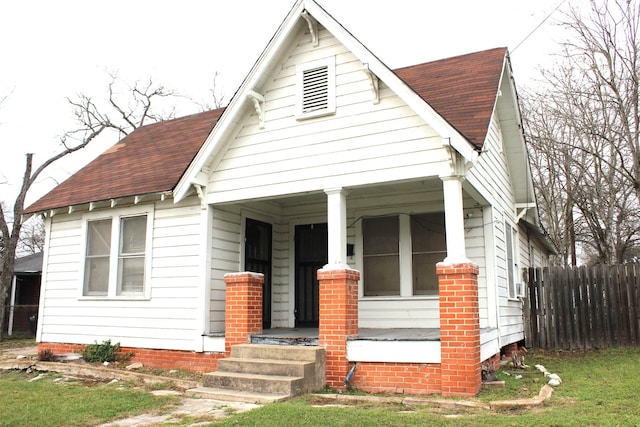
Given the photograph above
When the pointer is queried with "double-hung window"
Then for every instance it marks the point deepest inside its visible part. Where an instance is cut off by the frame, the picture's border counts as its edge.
(400, 253)
(116, 260)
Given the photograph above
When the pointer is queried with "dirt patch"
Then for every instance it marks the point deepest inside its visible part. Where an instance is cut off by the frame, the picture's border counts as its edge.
(157, 381)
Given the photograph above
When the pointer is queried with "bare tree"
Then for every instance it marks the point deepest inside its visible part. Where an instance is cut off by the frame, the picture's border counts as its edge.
(217, 96)
(583, 131)
(10, 231)
(128, 107)
(606, 52)
(32, 236)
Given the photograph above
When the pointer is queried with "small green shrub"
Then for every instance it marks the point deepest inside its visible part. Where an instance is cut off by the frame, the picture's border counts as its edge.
(105, 352)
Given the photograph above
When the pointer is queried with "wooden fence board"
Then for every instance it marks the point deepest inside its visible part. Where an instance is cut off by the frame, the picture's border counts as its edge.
(584, 307)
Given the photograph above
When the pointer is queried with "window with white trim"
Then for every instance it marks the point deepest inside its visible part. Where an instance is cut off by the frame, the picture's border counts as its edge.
(400, 253)
(116, 256)
(511, 243)
(316, 88)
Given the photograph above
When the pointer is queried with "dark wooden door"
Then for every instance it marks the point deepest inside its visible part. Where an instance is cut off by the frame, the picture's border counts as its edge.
(257, 259)
(311, 255)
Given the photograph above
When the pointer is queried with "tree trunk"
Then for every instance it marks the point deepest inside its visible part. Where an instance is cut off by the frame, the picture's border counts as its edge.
(6, 278)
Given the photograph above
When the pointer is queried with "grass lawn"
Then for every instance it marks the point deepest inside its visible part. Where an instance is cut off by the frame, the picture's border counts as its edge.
(77, 403)
(600, 388)
(11, 342)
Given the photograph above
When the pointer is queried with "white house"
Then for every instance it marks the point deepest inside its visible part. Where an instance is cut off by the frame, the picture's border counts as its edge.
(324, 159)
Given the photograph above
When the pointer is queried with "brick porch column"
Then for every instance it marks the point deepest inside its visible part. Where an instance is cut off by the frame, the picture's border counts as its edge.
(243, 307)
(459, 329)
(338, 319)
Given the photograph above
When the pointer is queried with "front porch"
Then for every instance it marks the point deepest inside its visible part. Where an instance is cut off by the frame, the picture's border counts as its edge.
(420, 345)
(451, 354)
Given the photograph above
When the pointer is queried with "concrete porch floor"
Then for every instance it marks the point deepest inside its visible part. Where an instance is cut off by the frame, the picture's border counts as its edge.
(307, 334)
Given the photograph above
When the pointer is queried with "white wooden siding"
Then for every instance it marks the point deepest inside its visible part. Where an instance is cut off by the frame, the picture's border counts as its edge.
(166, 320)
(491, 177)
(225, 254)
(362, 143)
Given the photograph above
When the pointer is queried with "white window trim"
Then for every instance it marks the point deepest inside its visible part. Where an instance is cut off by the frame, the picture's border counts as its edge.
(330, 63)
(512, 288)
(116, 217)
(405, 256)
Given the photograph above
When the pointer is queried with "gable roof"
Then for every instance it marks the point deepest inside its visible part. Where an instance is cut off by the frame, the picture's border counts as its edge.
(461, 89)
(154, 158)
(28, 264)
(149, 160)
(307, 13)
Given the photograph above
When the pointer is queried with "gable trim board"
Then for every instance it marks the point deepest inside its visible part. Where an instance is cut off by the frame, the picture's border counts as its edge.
(199, 230)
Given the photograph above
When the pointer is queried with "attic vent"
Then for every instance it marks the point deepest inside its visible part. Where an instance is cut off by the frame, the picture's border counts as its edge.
(316, 88)
(315, 92)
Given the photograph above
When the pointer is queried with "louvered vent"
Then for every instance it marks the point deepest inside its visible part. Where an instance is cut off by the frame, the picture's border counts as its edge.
(315, 89)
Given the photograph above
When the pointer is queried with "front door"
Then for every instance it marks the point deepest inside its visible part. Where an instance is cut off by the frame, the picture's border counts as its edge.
(257, 259)
(311, 255)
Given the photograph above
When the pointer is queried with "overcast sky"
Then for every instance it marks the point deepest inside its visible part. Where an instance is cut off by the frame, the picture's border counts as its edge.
(52, 50)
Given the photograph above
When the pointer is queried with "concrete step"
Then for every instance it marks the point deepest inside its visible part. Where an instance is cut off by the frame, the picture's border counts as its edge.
(290, 368)
(273, 384)
(277, 352)
(235, 395)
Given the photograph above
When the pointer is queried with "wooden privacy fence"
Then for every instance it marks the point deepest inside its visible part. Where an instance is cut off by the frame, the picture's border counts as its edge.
(583, 307)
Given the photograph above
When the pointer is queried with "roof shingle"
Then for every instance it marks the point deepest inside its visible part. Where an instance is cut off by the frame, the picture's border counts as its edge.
(153, 158)
(462, 89)
(149, 160)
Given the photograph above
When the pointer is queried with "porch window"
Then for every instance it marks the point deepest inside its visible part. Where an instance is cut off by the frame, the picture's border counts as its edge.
(429, 247)
(400, 253)
(381, 238)
(116, 256)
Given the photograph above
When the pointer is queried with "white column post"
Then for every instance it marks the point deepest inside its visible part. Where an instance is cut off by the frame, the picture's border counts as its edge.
(337, 228)
(454, 219)
(12, 305)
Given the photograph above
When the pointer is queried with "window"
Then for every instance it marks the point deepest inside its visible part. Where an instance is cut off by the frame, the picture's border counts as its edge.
(96, 266)
(381, 237)
(428, 247)
(400, 253)
(131, 255)
(316, 88)
(511, 237)
(115, 256)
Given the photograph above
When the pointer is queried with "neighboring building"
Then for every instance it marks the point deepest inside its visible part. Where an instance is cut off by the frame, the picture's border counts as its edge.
(24, 296)
(324, 159)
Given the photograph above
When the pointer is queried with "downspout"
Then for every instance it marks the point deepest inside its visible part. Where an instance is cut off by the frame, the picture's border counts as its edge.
(350, 375)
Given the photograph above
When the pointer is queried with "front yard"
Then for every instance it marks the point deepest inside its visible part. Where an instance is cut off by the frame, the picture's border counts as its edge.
(598, 388)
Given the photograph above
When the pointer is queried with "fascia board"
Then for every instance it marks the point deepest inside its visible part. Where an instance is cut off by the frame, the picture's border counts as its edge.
(408, 95)
(227, 121)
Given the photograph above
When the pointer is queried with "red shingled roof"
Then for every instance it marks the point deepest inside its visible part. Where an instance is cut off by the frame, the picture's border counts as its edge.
(462, 89)
(149, 160)
(153, 158)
